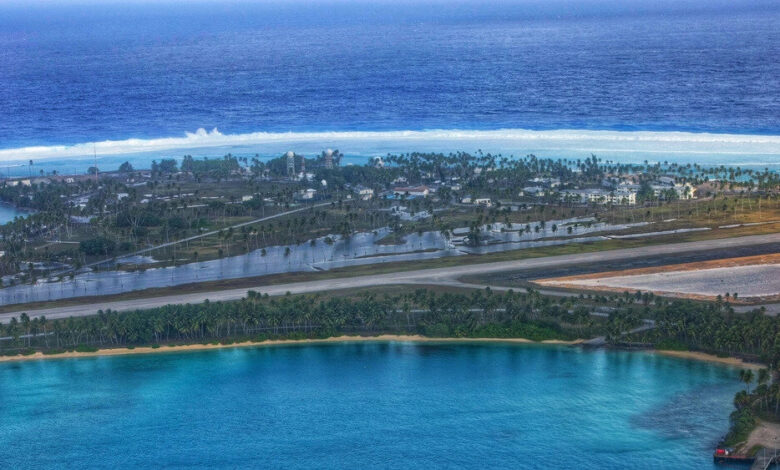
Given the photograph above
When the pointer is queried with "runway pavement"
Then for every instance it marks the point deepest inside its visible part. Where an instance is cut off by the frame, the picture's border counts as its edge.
(447, 276)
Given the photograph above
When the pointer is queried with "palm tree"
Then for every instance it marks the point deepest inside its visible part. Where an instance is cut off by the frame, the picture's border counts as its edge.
(776, 388)
(746, 375)
(761, 380)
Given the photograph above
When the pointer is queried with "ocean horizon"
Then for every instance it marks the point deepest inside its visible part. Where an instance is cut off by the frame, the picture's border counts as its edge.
(685, 82)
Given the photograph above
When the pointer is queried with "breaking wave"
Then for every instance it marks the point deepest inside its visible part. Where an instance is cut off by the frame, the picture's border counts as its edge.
(516, 141)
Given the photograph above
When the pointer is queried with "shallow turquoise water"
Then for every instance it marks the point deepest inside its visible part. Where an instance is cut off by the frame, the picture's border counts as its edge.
(389, 405)
(7, 213)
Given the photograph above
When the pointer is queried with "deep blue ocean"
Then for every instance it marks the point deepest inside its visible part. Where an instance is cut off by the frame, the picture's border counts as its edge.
(392, 405)
(558, 78)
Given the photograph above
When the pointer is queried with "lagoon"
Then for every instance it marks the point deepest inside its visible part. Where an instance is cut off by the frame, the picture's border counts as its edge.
(8, 212)
(390, 405)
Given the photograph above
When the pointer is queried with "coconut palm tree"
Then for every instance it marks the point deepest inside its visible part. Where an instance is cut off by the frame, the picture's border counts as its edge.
(746, 375)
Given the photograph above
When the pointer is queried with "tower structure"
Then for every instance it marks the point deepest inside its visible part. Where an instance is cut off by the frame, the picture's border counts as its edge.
(328, 159)
(290, 163)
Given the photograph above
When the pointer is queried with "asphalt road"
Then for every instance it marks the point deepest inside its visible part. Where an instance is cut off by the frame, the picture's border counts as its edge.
(446, 276)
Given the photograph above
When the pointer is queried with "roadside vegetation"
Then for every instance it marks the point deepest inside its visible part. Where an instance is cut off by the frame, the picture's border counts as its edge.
(258, 317)
(678, 324)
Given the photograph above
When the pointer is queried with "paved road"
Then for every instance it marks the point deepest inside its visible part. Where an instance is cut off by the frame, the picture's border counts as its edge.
(446, 276)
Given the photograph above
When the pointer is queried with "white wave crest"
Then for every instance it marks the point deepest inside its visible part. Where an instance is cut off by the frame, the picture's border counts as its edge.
(517, 141)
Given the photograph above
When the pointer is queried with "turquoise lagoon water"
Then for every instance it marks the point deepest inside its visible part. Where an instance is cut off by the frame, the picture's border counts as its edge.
(7, 213)
(387, 405)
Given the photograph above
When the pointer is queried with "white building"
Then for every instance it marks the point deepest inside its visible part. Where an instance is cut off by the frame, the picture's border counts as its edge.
(600, 196)
(413, 191)
(364, 193)
(536, 191)
(307, 194)
(548, 182)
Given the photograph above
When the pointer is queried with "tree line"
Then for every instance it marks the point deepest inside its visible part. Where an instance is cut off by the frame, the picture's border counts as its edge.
(479, 314)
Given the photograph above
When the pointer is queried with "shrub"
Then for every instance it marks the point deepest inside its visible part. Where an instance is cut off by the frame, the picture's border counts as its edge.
(98, 246)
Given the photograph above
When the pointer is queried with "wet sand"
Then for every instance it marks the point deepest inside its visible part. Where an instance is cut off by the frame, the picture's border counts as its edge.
(700, 356)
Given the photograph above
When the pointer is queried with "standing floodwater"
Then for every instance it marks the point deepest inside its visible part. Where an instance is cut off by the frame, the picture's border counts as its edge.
(9, 212)
(379, 405)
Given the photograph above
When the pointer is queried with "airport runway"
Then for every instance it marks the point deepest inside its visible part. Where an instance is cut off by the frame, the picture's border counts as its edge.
(445, 276)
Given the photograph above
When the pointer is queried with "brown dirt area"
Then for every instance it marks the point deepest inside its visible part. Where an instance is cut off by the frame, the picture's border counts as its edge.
(566, 281)
(766, 435)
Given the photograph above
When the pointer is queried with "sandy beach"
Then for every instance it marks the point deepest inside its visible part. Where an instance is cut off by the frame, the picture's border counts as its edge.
(700, 356)
(284, 342)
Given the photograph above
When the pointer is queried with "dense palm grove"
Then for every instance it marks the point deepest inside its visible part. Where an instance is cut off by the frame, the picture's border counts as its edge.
(679, 324)
(715, 328)
(481, 314)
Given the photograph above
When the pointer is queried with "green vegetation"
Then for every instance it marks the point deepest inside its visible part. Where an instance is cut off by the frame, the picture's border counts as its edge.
(478, 314)
(742, 421)
(679, 324)
(713, 328)
(761, 403)
(89, 218)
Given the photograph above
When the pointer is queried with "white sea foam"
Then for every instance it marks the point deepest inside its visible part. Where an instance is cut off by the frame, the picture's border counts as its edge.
(516, 141)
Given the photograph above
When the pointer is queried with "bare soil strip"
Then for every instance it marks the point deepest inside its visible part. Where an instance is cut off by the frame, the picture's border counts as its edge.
(700, 356)
(575, 282)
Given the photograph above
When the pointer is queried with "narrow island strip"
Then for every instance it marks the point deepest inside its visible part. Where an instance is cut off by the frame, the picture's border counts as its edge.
(125, 351)
(272, 342)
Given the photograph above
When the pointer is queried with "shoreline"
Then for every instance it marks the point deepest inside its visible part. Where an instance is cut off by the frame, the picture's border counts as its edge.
(704, 357)
(276, 342)
(38, 356)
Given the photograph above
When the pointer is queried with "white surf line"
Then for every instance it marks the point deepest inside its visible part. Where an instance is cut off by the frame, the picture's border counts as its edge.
(562, 139)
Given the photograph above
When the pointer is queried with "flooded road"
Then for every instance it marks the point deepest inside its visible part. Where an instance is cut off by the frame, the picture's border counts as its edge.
(319, 255)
